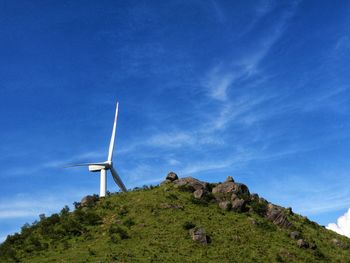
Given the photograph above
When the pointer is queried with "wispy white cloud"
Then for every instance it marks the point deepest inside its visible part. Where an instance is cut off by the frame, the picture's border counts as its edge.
(40, 166)
(171, 139)
(28, 205)
(342, 226)
(218, 82)
(224, 76)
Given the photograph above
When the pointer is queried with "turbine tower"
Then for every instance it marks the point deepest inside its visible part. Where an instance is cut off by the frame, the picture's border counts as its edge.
(102, 167)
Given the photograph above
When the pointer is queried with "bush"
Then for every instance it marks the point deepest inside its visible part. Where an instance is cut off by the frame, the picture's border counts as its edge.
(119, 231)
(123, 211)
(72, 227)
(65, 211)
(91, 218)
(188, 225)
(259, 207)
(129, 222)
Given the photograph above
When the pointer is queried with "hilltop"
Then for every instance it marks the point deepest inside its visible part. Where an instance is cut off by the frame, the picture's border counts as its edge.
(181, 220)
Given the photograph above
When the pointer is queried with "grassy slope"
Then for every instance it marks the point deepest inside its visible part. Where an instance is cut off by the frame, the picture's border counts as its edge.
(156, 233)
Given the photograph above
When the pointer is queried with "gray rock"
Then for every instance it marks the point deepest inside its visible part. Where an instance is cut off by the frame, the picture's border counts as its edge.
(276, 215)
(302, 243)
(190, 184)
(238, 205)
(339, 243)
(229, 179)
(234, 197)
(295, 234)
(230, 187)
(172, 176)
(225, 205)
(198, 194)
(198, 235)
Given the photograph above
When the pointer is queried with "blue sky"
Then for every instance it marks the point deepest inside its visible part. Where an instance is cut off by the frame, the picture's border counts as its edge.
(257, 90)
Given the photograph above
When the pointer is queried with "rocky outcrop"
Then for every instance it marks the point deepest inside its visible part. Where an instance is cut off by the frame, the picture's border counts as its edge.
(238, 205)
(277, 215)
(234, 196)
(230, 188)
(190, 184)
(229, 179)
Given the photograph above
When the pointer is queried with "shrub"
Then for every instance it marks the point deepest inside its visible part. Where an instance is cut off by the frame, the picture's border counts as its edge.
(129, 222)
(259, 207)
(119, 231)
(123, 211)
(171, 196)
(72, 227)
(91, 218)
(188, 225)
(76, 205)
(65, 211)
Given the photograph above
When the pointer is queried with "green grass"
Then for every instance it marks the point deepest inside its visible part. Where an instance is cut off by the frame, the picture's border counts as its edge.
(152, 226)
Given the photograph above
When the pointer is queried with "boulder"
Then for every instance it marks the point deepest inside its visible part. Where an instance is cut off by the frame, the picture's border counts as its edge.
(338, 243)
(225, 205)
(190, 184)
(229, 179)
(295, 234)
(238, 205)
(302, 243)
(198, 235)
(89, 201)
(230, 187)
(234, 197)
(276, 215)
(171, 177)
(198, 194)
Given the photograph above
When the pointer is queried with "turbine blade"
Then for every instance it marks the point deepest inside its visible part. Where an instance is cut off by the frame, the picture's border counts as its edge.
(83, 164)
(111, 143)
(117, 179)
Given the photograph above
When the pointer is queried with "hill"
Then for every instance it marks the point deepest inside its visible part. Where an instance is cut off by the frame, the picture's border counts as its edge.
(182, 220)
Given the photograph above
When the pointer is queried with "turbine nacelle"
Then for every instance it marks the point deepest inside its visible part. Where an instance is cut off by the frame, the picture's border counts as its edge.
(97, 168)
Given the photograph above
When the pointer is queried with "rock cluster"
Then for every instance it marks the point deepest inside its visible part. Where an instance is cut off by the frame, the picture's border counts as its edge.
(231, 195)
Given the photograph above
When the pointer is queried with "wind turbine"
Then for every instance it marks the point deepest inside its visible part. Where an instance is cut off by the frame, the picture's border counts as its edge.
(102, 167)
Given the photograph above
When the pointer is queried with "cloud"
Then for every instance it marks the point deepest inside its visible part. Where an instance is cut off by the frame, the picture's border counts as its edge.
(225, 75)
(2, 239)
(342, 226)
(173, 139)
(25, 205)
(218, 82)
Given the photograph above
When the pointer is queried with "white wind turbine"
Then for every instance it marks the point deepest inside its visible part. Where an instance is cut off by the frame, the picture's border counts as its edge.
(102, 167)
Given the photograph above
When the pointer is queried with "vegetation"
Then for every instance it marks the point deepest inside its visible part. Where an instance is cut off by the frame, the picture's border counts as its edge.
(152, 225)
